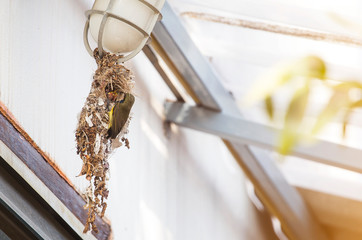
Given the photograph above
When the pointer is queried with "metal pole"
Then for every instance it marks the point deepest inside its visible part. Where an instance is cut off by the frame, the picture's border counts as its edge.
(280, 198)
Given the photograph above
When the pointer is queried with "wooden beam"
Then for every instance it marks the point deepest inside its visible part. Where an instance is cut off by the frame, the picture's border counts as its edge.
(21, 145)
(341, 217)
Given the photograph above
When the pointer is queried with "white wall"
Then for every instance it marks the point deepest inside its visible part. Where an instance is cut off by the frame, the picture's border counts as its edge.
(186, 186)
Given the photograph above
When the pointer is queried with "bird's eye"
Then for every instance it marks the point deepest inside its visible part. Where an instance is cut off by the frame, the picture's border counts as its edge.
(122, 96)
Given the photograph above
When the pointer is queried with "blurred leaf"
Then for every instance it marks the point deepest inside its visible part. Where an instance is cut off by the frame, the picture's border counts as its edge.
(352, 106)
(310, 67)
(267, 85)
(338, 101)
(356, 104)
(293, 118)
(346, 86)
(269, 107)
(288, 140)
(345, 122)
(297, 106)
(346, 23)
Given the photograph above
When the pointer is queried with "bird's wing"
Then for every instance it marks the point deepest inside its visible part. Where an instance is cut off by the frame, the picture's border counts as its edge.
(120, 118)
(120, 114)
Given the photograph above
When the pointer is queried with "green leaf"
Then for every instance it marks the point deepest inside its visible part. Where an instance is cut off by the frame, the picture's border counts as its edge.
(269, 107)
(293, 119)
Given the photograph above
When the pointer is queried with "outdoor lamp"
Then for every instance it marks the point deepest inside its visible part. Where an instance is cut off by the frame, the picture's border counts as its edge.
(121, 26)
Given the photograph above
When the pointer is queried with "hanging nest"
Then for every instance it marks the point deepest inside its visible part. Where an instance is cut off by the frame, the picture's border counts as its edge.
(92, 135)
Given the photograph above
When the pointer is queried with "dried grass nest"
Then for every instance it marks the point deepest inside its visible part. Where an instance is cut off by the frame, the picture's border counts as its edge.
(92, 143)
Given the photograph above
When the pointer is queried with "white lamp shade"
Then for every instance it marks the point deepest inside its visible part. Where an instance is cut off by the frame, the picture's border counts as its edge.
(118, 36)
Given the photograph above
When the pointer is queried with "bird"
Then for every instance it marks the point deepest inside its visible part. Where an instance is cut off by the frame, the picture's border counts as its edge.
(118, 115)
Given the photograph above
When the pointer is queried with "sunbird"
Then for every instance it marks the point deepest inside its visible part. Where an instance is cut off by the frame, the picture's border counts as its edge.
(118, 115)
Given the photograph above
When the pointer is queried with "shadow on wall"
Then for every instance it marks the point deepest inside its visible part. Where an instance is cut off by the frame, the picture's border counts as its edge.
(185, 190)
